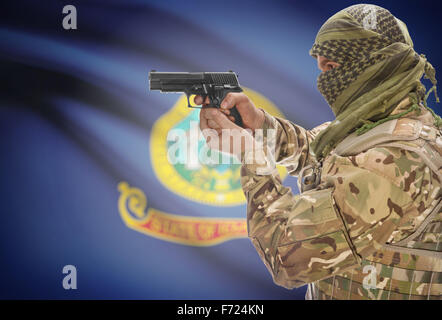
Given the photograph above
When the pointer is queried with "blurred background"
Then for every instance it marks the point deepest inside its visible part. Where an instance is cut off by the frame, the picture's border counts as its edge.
(84, 174)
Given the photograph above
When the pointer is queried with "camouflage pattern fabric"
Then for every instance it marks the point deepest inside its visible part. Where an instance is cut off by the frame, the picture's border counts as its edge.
(378, 68)
(355, 54)
(325, 237)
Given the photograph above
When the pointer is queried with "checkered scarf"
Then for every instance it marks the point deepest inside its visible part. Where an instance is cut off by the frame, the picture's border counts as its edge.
(378, 69)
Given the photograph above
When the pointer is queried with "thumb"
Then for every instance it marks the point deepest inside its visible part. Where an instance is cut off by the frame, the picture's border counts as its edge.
(222, 120)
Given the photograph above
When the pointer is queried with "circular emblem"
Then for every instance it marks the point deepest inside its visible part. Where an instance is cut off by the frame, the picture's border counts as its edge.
(215, 184)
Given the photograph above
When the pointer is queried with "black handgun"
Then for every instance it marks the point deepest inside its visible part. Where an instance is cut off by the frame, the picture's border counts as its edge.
(215, 85)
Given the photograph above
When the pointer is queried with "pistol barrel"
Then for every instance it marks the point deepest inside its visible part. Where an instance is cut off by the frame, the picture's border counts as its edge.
(214, 85)
(173, 81)
(179, 81)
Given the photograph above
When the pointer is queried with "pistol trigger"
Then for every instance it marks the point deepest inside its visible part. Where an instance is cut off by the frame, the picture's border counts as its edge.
(188, 100)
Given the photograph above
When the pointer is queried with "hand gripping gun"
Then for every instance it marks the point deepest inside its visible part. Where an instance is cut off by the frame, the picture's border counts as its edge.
(215, 85)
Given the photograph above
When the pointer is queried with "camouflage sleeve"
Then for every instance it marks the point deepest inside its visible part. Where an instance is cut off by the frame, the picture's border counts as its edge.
(292, 143)
(323, 232)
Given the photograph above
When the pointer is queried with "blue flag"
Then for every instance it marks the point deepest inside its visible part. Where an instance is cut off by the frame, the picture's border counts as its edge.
(87, 188)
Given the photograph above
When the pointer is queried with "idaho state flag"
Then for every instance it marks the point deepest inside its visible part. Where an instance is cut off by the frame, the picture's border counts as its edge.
(85, 176)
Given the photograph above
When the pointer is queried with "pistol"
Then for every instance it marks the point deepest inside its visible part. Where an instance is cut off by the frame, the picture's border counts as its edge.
(215, 85)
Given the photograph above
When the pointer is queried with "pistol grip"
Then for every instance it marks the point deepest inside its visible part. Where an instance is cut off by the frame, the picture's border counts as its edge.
(238, 120)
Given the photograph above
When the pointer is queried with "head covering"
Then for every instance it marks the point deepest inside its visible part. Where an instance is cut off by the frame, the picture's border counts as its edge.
(378, 69)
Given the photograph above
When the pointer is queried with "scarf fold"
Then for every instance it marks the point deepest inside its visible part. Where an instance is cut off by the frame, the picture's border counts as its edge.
(378, 69)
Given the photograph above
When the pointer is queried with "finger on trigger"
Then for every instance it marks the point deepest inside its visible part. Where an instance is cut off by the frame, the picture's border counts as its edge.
(198, 100)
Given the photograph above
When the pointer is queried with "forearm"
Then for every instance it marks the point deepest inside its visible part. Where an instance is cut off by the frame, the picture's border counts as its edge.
(292, 143)
(290, 232)
(323, 232)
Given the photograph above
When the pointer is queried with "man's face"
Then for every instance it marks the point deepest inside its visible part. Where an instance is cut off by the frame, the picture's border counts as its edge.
(325, 64)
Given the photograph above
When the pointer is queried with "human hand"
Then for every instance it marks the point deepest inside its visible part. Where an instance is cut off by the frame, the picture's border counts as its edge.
(252, 117)
(224, 135)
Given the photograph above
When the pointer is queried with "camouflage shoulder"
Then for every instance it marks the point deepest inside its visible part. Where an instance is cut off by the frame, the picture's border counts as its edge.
(404, 168)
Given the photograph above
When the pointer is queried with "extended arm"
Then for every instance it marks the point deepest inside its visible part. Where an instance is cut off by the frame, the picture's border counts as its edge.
(323, 232)
(292, 143)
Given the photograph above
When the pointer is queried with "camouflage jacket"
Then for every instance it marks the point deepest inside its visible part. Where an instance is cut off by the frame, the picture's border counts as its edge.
(326, 237)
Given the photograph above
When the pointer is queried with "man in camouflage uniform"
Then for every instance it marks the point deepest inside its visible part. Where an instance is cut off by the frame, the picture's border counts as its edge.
(368, 222)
